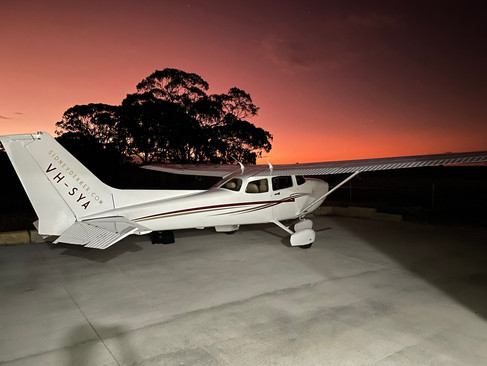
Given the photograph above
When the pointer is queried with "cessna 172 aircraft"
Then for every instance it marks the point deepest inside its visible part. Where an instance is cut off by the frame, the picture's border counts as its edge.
(73, 204)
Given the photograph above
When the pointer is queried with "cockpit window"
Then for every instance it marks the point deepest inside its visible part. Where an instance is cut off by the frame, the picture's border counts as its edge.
(300, 179)
(281, 182)
(257, 186)
(233, 184)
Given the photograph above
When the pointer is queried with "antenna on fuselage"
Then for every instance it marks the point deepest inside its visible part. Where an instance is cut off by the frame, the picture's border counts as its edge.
(271, 168)
(241, 165)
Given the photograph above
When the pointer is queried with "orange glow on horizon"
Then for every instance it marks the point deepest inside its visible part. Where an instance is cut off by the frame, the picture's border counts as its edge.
(338, 85)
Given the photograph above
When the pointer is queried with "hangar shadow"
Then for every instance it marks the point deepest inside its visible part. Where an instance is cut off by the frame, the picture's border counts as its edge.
(451, 258)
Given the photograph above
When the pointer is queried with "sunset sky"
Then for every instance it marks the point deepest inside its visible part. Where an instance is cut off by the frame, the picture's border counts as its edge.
(333, 79)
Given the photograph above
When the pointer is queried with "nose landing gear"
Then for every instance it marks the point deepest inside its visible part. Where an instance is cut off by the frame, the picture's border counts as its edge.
(303, 235)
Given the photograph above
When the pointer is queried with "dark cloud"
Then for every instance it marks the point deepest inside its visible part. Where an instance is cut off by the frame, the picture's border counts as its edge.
(330, 42)
(290, 55)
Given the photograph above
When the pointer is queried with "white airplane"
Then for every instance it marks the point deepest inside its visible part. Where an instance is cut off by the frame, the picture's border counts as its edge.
(75, 205)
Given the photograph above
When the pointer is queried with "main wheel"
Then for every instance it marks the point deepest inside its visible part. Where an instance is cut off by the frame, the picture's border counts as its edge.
(307, 246)
(162, 237)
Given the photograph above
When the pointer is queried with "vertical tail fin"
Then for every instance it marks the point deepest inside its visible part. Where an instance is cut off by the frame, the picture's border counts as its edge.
(59, 187)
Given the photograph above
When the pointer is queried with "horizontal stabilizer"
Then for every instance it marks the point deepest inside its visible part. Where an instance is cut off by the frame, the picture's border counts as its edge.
(100, 233)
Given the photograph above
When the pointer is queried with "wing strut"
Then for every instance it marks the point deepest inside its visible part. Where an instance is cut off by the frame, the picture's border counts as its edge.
(327, 193)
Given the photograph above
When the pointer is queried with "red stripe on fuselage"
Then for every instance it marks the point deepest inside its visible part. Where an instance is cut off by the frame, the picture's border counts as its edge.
(289, 199)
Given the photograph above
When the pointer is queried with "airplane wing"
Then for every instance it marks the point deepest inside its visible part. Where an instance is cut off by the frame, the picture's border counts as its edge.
(364, 165)
(100, 233)
(326, 168)
(356, 166)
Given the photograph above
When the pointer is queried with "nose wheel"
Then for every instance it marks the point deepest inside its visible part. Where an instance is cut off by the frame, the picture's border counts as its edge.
(307, 246)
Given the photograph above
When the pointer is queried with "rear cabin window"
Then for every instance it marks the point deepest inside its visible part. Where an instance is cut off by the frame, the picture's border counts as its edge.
(257, 186)
(233, 184)
(300, 179)
(281, 182)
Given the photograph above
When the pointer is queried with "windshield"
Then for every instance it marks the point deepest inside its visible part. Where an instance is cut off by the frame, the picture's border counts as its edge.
(233, 184)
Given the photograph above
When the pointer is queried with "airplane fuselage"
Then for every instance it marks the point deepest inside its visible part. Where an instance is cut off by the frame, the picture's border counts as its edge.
(249, 203)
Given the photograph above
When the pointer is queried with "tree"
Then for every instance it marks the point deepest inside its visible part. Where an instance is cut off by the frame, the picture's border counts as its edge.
(242, 140)
(174, 85)
(157, 130)
(100, 159)
(99, 121)
(222, 116)
(238, 103)
(171, 118)
(95, 120)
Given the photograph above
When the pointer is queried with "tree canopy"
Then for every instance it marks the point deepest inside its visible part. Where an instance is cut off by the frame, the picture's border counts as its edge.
(172, 118)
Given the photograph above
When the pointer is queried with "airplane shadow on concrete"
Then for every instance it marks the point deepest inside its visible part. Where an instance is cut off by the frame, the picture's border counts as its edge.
(272, 230)
(97, 255)
(127, 245)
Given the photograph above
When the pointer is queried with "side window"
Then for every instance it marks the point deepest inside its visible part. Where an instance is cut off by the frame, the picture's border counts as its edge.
(281, 182)
(300, 179)
(257, 186)
(233, 184)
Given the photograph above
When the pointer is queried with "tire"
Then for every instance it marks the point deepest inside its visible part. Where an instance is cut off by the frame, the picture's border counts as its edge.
(162, 237)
